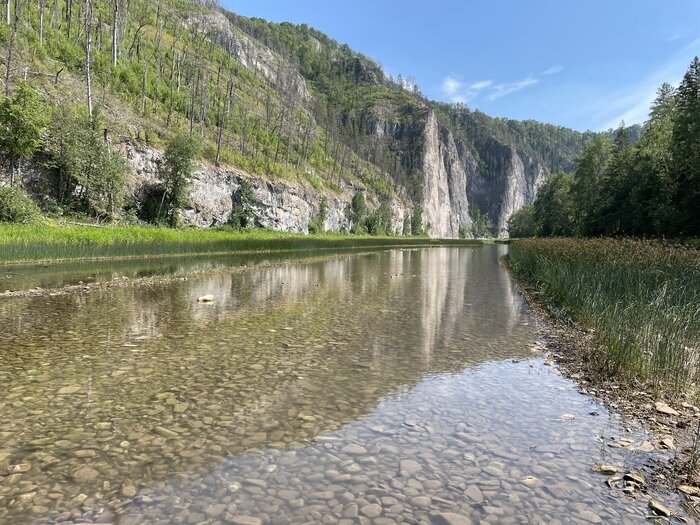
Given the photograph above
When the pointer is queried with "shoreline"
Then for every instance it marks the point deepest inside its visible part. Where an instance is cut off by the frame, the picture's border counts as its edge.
(672, 422)
(29, 245)
(164, 255)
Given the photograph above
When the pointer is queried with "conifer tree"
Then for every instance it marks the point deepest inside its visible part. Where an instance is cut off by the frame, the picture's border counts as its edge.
(686, 150)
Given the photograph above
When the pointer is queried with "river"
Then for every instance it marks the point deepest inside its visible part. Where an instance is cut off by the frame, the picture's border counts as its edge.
(401, 386)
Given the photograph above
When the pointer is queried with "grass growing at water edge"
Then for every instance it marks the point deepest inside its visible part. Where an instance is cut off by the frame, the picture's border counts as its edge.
(51, 242)
(641, 298)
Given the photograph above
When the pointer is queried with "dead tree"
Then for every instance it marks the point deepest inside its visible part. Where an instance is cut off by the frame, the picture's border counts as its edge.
(88, 52)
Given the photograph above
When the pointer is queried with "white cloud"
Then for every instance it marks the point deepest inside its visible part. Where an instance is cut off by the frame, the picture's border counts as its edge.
(501, 90)
(457, 91)
(451, 86)
(481, 84)
(557, 68)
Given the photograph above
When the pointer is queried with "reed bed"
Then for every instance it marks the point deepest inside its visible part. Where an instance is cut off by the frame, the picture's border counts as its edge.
(23, 243)
(641, 299)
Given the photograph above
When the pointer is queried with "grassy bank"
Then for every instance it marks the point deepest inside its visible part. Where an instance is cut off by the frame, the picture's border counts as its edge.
(54, 242)
(641, 299)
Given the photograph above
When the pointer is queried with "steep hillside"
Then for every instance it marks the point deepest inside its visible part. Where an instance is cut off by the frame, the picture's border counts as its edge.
(303, 121)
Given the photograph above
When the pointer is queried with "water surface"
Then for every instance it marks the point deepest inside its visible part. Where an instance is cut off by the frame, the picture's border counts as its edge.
(383, 388)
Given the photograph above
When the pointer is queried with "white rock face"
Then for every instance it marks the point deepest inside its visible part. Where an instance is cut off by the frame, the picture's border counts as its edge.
(524, 179)
(451, 178)
(282, 205)
(501, 196)
(445, 206)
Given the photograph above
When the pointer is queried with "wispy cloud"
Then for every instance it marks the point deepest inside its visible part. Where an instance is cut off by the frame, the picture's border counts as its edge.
(457, 91)
(460, 92)
(481, 84)
(557, 68)
(501, 90)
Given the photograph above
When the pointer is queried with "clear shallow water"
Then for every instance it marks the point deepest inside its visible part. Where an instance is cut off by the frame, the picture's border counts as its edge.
(382, 388)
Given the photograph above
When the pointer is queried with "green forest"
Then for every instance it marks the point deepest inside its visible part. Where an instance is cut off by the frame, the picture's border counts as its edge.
(620, 186)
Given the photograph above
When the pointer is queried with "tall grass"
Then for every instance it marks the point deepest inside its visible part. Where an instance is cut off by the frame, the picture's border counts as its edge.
(641, 298)
(52, 242)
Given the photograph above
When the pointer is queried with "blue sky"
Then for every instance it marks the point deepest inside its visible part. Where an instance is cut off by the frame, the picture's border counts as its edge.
(585, 64)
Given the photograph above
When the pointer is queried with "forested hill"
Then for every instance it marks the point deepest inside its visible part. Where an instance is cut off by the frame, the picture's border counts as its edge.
(279, 102)
(351, 85)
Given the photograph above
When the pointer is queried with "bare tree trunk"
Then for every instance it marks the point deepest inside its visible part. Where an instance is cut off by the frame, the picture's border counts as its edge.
(54, 15)
(222, 120)
(176, 58)
(69, 16)
(194, 92)
(244, 129)
(42, 5)
(88, 51)
(7, 12)
(144, 88)
(10, 49)
(179, 70)
(98, 34)
(204, 104)
(159, 28)
(134, 40)
(219, 113)
(280, 129)
(115, 32)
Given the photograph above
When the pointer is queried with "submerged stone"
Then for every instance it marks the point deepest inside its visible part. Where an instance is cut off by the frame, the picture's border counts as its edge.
(85, 474)
(450, 518)
(409, 467)
(605, 469)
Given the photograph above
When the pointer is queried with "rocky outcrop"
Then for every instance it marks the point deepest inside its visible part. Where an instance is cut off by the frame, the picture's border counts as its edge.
(251, 53)
(281, 205)
(445, 207)
(452, 178)
(500, 195)
(524, 178)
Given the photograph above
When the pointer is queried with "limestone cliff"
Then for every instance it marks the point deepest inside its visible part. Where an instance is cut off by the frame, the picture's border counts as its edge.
(445, 206)
(451, 179)
(499, 195)
(281, 205)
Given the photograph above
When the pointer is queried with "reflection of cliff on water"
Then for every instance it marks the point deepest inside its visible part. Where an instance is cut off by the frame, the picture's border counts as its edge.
(69, 273)
(155, 383)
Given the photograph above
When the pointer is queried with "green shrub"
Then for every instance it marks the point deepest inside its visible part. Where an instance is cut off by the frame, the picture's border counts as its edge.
(244, 206)
(17, 206)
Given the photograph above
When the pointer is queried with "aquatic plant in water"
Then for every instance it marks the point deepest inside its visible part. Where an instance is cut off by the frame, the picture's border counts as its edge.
(641, 298)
